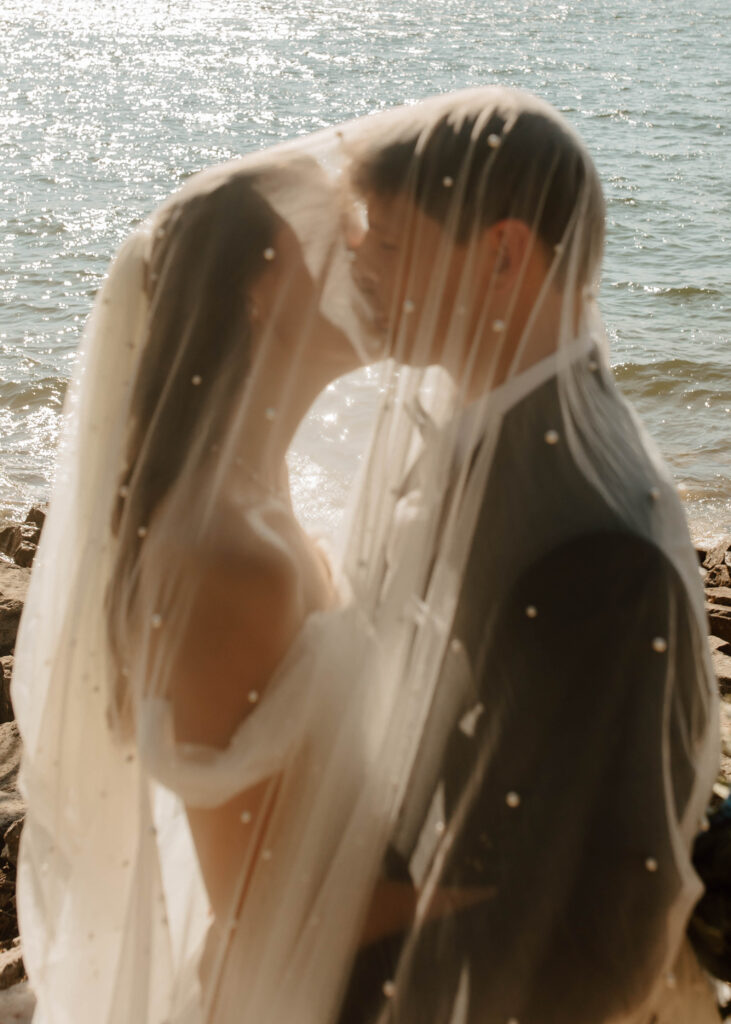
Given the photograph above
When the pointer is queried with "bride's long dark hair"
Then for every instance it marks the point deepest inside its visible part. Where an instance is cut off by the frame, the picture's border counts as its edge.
(206, 253)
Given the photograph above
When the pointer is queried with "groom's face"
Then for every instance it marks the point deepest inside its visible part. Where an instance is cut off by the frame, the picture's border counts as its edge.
(410, 271)
(435, 300)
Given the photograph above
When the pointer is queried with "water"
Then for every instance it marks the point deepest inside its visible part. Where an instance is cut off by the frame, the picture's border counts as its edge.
(106, 107)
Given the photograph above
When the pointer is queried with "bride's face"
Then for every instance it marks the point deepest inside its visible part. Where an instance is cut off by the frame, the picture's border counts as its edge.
(286, 306)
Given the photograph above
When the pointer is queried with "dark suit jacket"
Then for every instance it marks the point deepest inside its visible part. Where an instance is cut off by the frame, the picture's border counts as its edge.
(568, 598)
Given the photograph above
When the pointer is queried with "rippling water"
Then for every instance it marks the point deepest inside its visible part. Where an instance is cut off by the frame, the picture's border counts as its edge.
(106, 107)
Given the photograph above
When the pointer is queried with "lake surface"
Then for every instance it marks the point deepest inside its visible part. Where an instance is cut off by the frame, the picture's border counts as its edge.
(106, 107)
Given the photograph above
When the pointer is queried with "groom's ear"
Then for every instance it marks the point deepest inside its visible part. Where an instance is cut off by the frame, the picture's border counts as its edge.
(507, 248)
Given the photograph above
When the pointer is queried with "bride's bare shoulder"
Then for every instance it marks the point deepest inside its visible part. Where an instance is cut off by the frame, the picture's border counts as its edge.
(249, 600)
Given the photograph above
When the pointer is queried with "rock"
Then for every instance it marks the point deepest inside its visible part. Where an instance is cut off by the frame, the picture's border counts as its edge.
(19, 541)
(719, 555)
(12, 841)
(719, 621)
(7, 889)
(6, 706)
(6, 677)
(37, 516)
(17, 1004)
(722, 667)
(9, 539)
(718, 595)
(11, 967)
(719, 576)
(7, 714)
(25, 550)
(13, 588)
(8, 926)
(726, 742)
(24, 555)
(10, 751)
(12, 805)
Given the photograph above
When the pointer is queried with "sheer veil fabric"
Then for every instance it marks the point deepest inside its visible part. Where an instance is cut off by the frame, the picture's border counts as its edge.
(452, 775)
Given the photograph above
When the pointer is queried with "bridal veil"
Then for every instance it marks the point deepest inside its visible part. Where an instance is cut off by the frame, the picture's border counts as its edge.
(476, 771)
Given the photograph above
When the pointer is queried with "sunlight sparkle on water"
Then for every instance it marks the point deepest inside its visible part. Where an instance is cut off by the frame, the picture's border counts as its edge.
(106, 108)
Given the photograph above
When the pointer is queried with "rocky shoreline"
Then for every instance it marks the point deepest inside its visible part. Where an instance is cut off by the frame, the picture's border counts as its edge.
(18, 542)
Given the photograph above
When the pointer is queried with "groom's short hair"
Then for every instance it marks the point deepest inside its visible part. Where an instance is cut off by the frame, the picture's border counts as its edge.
(533, 169)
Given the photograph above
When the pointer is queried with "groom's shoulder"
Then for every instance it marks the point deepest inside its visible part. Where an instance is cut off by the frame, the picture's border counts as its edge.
(604, 595)
(604, 564)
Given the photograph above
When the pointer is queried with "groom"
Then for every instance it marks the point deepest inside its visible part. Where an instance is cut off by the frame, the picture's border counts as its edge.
(582, 636)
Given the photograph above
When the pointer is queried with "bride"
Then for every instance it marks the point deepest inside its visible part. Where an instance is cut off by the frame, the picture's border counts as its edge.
(236, 352)
(240, 753)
